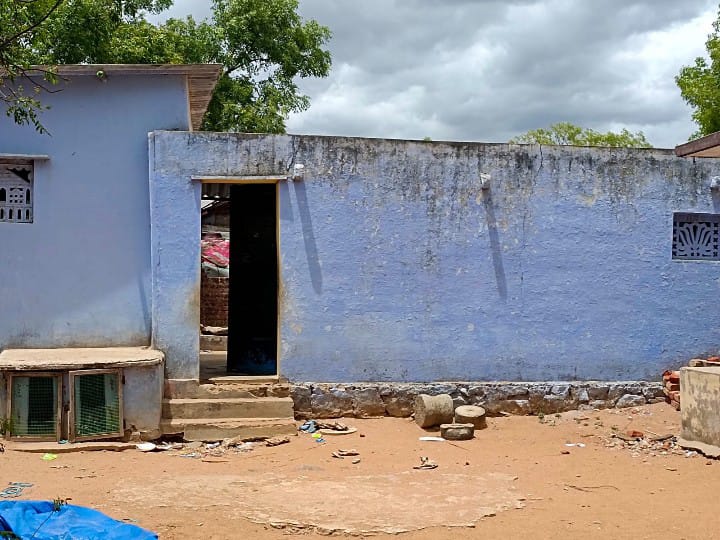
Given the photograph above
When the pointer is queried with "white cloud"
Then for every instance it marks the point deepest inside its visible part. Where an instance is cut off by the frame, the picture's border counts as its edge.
(521, 66)
(487, 70)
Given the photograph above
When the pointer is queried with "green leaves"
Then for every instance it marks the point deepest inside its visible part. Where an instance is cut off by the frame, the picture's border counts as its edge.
(264, 46)
(20, 21)
(700, 86)
(565, 133)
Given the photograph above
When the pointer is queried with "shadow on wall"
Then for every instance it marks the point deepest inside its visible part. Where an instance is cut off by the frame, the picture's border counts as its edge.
(495, 247)
(715, 194)
(308, 236)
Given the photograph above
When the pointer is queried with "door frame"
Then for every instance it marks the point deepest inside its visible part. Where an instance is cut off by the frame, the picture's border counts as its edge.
(263, 179)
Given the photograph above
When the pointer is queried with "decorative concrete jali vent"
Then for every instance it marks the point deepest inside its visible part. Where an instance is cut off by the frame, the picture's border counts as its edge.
(696, 236)
(16, 197)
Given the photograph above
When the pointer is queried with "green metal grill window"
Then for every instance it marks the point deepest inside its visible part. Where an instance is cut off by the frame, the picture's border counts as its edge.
(97, 404)
(34, 404)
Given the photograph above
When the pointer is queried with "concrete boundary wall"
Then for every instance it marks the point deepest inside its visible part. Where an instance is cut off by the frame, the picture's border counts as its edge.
(397, 265)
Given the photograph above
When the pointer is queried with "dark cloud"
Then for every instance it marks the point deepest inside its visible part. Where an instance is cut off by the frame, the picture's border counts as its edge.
(491, 69)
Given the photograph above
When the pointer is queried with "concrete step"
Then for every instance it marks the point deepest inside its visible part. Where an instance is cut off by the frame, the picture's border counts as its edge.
(253, 407)
(193, 389)
(212, 429)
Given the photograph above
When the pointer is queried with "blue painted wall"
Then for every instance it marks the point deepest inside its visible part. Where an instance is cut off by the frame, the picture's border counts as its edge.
(80, 274)
(396, 266)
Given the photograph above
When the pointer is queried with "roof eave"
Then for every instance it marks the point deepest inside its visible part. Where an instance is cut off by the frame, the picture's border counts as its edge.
(704, 147)
(201, 79)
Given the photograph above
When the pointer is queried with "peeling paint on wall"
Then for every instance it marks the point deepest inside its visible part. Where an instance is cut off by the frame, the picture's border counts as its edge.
(397, 266)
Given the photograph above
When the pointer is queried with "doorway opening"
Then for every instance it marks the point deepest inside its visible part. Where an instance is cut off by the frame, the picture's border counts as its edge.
(239, 282)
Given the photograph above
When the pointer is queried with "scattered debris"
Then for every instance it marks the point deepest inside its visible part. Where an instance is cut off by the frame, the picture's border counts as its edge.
(433, 439)
(146, 446)
(625, 438)
(331, 426)
(340, 454)
(658, 445)
(633, 434)
(327, 428)
(347, 431)
(309, 427)
(713, 361)
(234, 442)
(426, 463)
(277, 441)
(708, 450)
(661, 438)
(214, 330)
(590, 488)
(49, 457)
(579, 444)
(457, 432)
(14, 489)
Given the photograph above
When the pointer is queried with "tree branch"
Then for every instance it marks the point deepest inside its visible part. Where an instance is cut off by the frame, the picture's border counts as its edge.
(30, 28)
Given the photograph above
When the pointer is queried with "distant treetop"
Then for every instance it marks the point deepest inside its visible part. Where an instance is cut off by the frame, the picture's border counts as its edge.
(565, 133)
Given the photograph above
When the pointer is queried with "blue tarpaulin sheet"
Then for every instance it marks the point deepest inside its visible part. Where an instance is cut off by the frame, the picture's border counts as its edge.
(36, 519)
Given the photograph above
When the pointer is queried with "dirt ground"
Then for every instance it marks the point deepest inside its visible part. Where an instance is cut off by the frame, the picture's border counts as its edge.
(517, 478)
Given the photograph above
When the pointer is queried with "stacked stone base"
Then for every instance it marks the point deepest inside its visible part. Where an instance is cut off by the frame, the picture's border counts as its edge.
(367, 400)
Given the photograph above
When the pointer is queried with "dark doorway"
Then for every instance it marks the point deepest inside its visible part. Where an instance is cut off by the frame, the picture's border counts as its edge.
(252, 303)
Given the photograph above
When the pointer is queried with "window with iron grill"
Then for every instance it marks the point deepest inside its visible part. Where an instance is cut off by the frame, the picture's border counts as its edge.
(95, 404)
(35, 406)
(16, 192)
(696, 236)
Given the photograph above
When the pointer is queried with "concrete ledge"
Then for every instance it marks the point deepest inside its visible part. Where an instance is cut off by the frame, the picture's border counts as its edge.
(57, 448)
(80, 358)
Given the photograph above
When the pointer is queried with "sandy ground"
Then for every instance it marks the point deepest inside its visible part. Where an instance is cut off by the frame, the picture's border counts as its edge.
(516, 478)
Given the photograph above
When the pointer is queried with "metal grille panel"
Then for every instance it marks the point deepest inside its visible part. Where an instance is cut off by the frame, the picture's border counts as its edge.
(34, 405)
(696, 237)
(16, 192)
(97, 404)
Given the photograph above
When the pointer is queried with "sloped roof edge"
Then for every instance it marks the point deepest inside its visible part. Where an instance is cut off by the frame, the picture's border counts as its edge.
(201, 79)
(708, 146)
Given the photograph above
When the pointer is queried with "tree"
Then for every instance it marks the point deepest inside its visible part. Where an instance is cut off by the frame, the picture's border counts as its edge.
(20, 20)
(565, 133)
(263, 45)
(700, 86)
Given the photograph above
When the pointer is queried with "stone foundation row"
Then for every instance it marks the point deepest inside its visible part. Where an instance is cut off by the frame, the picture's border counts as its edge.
(331, 400)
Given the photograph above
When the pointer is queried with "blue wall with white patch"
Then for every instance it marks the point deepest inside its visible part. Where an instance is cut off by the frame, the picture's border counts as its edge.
(79, 275)
(397, 266)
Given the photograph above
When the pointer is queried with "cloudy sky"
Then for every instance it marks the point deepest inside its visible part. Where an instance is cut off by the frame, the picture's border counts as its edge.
(486, 70)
